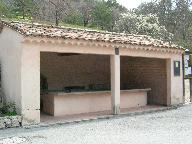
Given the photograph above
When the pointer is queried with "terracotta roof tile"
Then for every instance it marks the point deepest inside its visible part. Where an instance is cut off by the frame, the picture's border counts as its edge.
(35, 29)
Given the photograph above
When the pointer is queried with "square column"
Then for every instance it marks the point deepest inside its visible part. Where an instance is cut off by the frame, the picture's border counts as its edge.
(174, 82)
(115, 84)
(30, 85)
(169, 79)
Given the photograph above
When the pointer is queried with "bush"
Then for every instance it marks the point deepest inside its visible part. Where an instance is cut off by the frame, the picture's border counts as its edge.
(8, 109)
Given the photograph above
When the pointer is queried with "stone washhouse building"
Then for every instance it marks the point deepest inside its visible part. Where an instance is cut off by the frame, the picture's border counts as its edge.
(64, 71)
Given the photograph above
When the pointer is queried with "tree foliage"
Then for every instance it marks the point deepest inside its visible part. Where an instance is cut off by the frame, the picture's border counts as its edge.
(24, 8)
(169, 20)
(175, 15)
(85, 8)
(4, 12)
(102, 15)
(143, 25)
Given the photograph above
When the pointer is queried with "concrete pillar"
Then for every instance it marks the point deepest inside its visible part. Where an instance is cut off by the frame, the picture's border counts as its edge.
(115, 83)
(174, 83)
(30, 85)
(169, 79)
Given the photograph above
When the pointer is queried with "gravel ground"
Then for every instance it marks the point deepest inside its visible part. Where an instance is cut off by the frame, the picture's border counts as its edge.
(169, 127)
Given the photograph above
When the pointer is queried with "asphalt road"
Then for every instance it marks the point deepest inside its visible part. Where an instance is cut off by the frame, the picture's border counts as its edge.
(169, 127)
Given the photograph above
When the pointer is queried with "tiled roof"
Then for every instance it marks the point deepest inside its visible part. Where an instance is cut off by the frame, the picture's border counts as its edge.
(39, 30)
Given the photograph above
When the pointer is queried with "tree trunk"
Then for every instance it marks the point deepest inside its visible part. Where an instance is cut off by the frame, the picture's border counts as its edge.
(23, 12)
(85, 22)
(56, 18)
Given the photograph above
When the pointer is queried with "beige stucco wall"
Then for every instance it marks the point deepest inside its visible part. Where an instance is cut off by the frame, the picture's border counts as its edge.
(20, 75)
(174, 83)
(59, 104)
(21, 67)
(30, 84)
(10, 58)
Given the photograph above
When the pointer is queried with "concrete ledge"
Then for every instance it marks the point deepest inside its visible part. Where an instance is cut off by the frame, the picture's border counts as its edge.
(10, 122)
(66, 104)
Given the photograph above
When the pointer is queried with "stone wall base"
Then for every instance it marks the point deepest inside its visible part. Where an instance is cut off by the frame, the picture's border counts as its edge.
(10, 122)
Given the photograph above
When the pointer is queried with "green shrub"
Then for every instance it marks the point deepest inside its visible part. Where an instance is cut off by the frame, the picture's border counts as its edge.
(8, 109)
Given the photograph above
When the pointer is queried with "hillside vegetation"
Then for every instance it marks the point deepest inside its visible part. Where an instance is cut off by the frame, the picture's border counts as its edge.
(168, 20)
